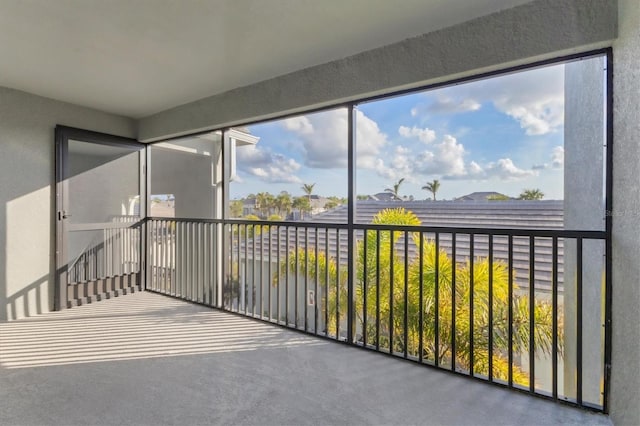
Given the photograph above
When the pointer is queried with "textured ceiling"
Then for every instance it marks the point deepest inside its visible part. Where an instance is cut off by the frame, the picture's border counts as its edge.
(136, 58)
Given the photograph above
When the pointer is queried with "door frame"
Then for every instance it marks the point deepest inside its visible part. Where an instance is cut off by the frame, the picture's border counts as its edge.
(62, 136)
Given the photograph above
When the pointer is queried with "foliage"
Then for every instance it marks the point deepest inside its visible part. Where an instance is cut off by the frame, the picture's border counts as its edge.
(275, 218)
(498, 197)
(236, 208)
(302, 204)
(251, 229)
(283, 203)
(265, 203)
(395, 190)
(331, 204)
(308, 189)
(433, 273)
(432, 187)
(531, 194)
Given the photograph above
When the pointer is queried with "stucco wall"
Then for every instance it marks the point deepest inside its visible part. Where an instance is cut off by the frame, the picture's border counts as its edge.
(27, 196)
(625, 380)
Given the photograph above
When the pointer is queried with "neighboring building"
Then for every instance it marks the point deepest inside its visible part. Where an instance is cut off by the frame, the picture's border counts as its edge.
(384, 196)
(249, 207)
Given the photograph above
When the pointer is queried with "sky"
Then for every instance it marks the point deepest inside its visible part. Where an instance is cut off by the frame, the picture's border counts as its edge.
(501, 134)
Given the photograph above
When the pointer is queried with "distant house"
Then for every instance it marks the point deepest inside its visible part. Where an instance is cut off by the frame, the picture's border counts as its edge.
(482, 196)
(249, 206)
(317, 204)
(384, 196)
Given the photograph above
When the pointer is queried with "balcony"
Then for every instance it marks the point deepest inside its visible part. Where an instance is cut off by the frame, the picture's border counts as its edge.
(145, 358)
(397, 297)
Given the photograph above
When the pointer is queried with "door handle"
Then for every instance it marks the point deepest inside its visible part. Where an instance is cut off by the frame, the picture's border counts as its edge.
(63, 215)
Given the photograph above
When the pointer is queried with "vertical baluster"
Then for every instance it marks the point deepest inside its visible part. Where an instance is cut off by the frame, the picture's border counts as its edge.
(279, 272)
(377, 289)
(286, 289)
(453, 301)
(391, 264)
(554, 309)
(579, 321)
(338, 283)
(471, 295)
(365, 277)
(315, 288)
(510, 312)
(269, 277)
(326, 282)
(421, 297)
(406, 295)
(532, 306)
(295, 281)
(490, 343)
(306, 277)
(436, 290)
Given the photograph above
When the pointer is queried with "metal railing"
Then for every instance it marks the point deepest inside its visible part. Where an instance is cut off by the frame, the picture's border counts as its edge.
(519, 308)
(182, 259)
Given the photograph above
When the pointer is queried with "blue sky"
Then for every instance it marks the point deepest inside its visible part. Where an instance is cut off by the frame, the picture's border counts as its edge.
(501, 134)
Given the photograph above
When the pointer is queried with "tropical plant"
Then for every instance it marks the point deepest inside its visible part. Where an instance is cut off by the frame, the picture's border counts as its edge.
(275, 218)
(308, 189)
(265, 203)
(498, 197)
(252, 230)
(302, 204)
(430, 274)
(331, 204)
(531, 194)
(236, 208)
(283, 203)
(432, 187)
(395, 190)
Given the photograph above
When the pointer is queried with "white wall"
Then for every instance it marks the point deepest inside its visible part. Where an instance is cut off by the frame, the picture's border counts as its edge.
(27, 196)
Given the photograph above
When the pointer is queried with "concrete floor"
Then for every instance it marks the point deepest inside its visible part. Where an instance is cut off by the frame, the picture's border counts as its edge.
(151, 360)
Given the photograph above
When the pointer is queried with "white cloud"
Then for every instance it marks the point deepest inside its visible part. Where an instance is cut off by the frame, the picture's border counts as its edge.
(268, 166)
(300, 124)
(324, 139)
(535, 98)
(557, 160)
(449, 105)
(557, 157)
(443, 158)
(504, 169)
(425, 135)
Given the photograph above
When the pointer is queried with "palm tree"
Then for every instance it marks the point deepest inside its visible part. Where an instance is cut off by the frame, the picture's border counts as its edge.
(531, 194)
(385, 295)
(396, 188)
(283, 203)
(302, 204)
(236, 208)
(264, 203)
(432, 187)
(308, 189)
